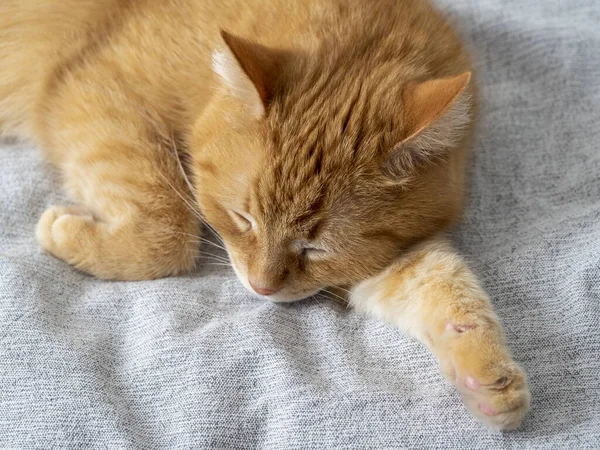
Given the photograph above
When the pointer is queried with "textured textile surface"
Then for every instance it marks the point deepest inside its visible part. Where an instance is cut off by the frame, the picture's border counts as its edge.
(195, 362)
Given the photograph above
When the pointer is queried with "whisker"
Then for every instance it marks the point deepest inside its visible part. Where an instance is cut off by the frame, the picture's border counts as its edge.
(321, 299)
(211, 255)
(216, 255)
(214, 261)
(335, 295)
(342, 289)
(193, 209)
(214, 232)
(209, 258)
(189, 184)
(180, 165)
(204, 240)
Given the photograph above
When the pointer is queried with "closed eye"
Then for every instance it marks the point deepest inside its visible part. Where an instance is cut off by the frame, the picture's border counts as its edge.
(310, 251)
(244, 221)
(313, 250)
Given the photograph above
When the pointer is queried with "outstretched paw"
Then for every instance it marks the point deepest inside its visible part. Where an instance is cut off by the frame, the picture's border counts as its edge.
(492, 385)
(499, 396)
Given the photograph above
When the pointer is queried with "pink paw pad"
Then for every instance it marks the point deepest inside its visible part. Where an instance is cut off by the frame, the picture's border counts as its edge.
(487, 410)
(458, 328)
(472, 383)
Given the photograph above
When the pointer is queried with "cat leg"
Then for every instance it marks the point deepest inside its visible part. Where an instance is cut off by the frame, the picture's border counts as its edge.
(136, 218)
(130, 225)
(134, 247)
(432, 295)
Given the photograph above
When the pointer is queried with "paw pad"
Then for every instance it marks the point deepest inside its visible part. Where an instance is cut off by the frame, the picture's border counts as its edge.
(487, 410)
(459, 328)
(472, 383)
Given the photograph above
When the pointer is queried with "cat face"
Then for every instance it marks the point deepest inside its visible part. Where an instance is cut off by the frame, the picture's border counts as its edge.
(320, 185)
(291, 228)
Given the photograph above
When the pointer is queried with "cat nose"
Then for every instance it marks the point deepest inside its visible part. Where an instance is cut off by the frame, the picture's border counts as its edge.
(262, 290)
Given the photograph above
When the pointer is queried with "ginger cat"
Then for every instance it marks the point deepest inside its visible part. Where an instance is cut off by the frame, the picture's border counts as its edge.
(324, 140)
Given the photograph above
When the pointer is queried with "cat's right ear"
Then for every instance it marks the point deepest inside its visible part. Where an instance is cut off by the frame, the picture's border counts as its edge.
(249, 71)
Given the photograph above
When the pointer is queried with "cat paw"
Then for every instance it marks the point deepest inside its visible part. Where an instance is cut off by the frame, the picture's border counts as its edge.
(499, 396)
(62, 229)
(113, 251)
(492, 385)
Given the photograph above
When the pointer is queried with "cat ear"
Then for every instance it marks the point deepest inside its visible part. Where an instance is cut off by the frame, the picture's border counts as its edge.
(437, 112)
(249, 70)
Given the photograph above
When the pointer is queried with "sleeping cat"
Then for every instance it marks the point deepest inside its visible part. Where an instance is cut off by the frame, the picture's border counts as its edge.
(323, 140)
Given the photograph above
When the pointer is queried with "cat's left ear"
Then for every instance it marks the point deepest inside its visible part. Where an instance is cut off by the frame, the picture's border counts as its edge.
(436, 114)
(249, 70)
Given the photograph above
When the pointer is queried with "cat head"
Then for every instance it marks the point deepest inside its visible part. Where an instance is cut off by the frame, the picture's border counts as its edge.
(320, 172)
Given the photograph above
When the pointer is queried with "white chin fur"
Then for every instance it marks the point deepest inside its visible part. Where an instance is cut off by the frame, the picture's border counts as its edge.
(289, 299)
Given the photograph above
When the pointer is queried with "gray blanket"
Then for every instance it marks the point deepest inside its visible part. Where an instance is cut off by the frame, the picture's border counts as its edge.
(195, 362)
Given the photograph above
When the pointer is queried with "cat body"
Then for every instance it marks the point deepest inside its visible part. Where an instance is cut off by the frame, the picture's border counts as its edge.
(325, 141)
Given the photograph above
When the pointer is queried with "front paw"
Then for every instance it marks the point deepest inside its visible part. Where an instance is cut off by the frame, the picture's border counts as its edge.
(127, 250)
(498, 395)
(61, 229)
(492, 384)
